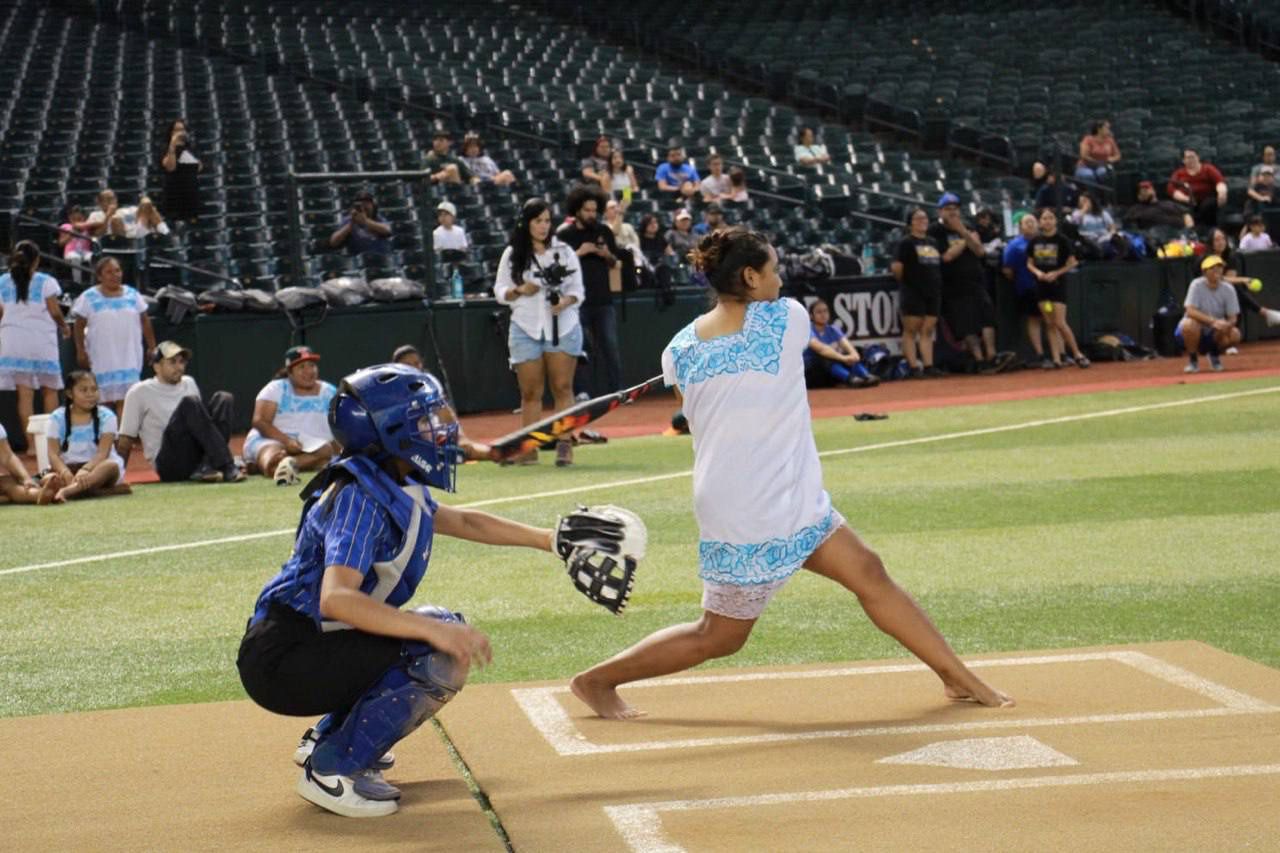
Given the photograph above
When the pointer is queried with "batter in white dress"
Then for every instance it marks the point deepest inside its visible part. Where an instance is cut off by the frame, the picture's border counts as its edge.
(757, 487)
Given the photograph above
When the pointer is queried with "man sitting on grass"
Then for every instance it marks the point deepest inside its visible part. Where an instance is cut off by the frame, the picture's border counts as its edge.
(1209, 324)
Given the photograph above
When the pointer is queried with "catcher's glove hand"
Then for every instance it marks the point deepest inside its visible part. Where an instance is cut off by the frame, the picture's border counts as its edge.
(607, 529)
(605, 579)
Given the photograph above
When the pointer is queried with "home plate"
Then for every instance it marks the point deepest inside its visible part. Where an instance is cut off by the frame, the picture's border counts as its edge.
(984, 753)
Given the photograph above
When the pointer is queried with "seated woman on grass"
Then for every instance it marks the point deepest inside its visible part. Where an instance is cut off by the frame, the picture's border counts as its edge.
(291, 420)
(15, 482)
(82, 453)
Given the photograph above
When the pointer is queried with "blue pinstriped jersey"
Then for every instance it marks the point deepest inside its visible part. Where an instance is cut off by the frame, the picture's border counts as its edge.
(350, 527)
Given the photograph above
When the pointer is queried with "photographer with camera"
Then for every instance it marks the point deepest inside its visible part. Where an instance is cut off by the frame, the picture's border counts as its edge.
(541, 279)
(598, 254)
(362, 229)
(181, 199)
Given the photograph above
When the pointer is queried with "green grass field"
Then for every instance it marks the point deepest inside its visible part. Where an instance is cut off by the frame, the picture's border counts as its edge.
(1151, 525)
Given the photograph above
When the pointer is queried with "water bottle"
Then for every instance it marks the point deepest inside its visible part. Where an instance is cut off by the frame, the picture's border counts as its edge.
(455, 284)
(868, 259)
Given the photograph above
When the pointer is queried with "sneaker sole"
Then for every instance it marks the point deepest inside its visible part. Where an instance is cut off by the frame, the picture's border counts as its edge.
(367, 808)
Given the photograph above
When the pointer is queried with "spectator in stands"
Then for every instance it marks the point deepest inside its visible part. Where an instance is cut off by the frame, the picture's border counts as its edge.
(111, 328)
(1208, 324)
(677, 176)
(595, 166)
(1199, 186)
(597, 253)
(1095, 225)
(917, 266)
(100, 220)
(623, 233)
(1261, 192)
(1254, 236)
(1055, 194)
(738, 183)
(291, 421)
(15, 481)
(545, 339)
(716, 187)
(1268, 161)
(830, 357)
(181, 188)
(809, 152)
(622, 178)
(681, 238)
(966, 304)
(989, 233)
(73, 238)
(362, 229)
(1149, 211)
(712, 220)
(654, 246)
(443, 165)
(1014, 268)
(1220, 245)
(1099, 153)
(1049, 258)
(81, 437)
(180, 435)
(481, 165)
(135, 222)
(448, 235)
(30, 321)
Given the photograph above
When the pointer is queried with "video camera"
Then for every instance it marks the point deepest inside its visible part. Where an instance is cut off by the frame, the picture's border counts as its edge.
(553, 275)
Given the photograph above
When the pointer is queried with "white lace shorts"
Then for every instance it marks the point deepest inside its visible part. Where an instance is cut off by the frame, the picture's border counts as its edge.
(739, 601)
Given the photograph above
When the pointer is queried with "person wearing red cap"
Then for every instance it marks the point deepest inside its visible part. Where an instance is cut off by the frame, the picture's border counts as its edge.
(291, 420)
(1149, 211)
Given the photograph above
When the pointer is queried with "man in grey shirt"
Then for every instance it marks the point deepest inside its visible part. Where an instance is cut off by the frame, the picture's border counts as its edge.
(1209, 324)
(179, 434)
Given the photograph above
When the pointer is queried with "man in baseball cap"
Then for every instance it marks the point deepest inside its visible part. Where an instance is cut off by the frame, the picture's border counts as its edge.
(180, 435)
(1208, 325)
(296, 355)
(966, 304)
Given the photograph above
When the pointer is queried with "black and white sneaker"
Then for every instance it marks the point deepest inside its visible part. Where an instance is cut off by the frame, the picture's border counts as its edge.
(307, 745)
(345, 795)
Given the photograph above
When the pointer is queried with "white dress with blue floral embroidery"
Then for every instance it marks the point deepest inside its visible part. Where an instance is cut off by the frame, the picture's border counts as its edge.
(757, 481)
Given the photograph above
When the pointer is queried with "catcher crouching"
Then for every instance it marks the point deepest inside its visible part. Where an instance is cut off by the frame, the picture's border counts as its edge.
(328, 636)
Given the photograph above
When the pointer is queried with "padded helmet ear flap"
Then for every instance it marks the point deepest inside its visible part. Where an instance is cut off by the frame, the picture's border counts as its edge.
(351, 423)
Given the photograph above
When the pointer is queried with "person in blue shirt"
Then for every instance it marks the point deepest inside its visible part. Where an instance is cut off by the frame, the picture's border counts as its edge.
(328, 633)
(676, 176)
(1013, 265)
(362, 229)
(829, 356)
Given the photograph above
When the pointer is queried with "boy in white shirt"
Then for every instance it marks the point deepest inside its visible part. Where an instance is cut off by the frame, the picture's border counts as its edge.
(448, 235)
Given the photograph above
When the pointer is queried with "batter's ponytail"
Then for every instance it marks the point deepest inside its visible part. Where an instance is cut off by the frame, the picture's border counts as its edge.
(723, 255)
(22, 267)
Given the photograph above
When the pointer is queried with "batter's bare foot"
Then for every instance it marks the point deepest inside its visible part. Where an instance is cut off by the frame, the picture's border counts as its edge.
(603, 699)
(979, 692)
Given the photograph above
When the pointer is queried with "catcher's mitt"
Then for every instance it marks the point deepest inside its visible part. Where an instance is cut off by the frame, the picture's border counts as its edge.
(607, 529)
(601, 547)
(603, 578)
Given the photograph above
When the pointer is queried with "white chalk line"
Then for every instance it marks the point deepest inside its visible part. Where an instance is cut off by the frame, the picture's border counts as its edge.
(638, 481)
(549, 717)
(640, 824)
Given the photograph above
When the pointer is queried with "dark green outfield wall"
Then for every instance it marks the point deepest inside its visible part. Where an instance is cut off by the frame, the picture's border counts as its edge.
(239, 352)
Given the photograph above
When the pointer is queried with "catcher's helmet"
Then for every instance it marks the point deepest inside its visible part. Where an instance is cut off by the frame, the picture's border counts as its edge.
(393, 410)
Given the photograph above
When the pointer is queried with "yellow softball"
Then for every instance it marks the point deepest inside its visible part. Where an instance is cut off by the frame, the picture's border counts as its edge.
(1255, 284)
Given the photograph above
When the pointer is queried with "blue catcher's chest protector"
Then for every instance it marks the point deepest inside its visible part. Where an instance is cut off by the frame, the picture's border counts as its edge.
(398, 519)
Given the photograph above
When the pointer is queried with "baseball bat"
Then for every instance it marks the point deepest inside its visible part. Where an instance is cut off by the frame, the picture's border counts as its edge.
(562, 423)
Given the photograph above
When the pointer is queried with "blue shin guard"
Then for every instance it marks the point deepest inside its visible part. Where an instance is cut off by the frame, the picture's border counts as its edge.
(406, 696)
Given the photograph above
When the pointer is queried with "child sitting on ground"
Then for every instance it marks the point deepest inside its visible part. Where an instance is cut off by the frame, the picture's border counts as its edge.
(81, 438)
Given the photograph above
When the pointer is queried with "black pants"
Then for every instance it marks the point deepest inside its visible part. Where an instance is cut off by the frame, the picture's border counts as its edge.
(196, 433)
(289, 666)
(600, 323)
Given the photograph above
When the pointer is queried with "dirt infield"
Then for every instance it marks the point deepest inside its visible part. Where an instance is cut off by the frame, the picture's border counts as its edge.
(217, 776)
(1159, 746)
(1162, 746)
